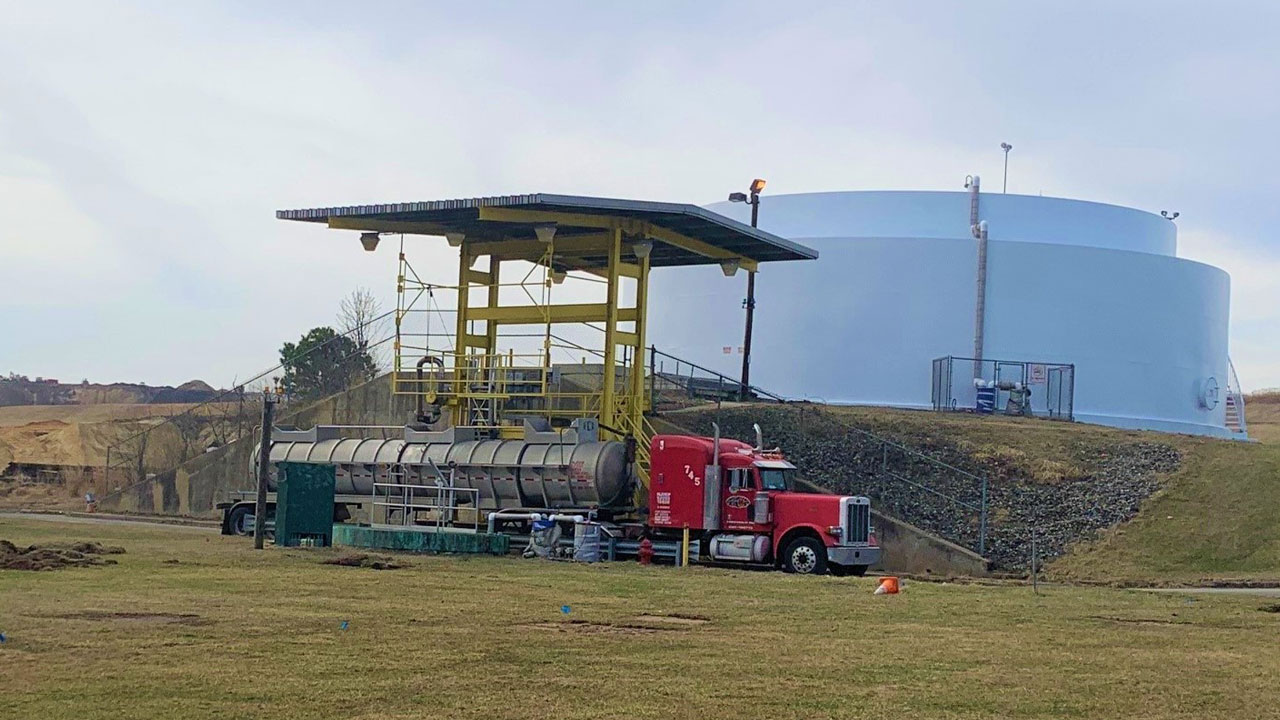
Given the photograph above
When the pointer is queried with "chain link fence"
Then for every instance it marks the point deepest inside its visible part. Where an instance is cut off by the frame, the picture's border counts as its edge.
(1016, 387)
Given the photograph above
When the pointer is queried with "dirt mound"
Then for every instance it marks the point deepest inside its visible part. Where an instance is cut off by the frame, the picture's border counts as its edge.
(53, 557)
(163, 618)
(365, 561)
(647, 625)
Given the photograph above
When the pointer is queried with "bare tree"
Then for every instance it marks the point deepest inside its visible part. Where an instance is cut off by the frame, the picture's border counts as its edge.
(359, 318)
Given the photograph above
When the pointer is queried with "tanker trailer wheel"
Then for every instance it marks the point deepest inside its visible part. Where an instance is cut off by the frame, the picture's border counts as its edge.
(805, 556)
(238, 520)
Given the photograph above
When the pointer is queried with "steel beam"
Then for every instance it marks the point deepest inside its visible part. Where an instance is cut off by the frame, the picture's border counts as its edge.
(595, 243)
(391, 226)
(555, 314)
(610, 222)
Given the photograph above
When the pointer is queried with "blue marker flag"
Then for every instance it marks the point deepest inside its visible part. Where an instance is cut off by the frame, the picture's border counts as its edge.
(343, 626)
(564, 609)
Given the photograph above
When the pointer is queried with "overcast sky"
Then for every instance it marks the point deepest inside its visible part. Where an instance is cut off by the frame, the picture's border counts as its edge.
(144, 146)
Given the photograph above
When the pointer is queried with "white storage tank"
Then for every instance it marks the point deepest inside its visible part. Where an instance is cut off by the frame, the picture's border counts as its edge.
(1093, 285)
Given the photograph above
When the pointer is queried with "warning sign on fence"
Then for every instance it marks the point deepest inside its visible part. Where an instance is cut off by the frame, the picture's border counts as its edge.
(1037, 373)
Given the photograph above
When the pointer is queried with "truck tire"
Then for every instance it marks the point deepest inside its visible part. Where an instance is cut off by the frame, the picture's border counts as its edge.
(236, 518)
(847, 570)
(805, 556)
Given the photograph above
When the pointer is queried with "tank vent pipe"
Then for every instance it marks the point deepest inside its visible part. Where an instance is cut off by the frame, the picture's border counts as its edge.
(980, 302)
(973, 183)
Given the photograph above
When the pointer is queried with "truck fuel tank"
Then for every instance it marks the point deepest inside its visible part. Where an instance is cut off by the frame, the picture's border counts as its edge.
(740, 548)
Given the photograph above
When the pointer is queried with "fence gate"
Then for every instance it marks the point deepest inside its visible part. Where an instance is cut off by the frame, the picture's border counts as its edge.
(1060, 392)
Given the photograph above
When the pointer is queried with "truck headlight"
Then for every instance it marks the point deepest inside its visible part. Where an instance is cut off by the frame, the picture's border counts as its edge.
(833, 530)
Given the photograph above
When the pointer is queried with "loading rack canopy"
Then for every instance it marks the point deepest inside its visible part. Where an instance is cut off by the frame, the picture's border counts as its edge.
(682, 234)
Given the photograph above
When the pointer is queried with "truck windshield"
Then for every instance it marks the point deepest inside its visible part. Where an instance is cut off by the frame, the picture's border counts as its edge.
(775, 478)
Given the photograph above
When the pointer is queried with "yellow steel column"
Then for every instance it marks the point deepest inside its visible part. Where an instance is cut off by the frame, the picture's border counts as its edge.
(491, 327)
(608, 397)
(459, 338)
(638, 395)
(494, 375)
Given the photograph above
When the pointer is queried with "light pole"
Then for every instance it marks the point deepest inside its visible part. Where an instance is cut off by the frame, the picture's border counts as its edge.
(1006, 147)
(752, 198)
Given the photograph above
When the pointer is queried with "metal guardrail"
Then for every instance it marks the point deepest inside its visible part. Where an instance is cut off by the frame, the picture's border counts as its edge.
(980, 484)
(670, 373)
(442, 500)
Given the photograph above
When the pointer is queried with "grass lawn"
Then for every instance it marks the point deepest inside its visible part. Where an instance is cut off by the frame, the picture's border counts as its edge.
(1216, 519)
(227, 632)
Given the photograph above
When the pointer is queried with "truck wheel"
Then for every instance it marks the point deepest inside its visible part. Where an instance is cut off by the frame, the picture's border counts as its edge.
(806, 556)
(237, 520)
(847, 570)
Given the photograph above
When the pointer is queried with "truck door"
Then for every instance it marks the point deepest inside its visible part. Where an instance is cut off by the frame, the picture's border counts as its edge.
(739, 498)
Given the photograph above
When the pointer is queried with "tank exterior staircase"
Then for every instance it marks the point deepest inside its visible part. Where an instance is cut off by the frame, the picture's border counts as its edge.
(1233, 404)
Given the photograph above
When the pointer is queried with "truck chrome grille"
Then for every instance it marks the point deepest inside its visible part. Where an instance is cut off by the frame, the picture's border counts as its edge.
(858, 523)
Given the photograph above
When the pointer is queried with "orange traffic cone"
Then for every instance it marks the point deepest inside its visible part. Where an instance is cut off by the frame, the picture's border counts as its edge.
(888, 586)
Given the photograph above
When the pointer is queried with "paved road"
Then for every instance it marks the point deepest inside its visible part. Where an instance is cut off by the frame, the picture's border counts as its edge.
(106, 520)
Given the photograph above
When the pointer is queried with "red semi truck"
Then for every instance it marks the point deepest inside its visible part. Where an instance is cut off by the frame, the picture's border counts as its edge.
(739, 503)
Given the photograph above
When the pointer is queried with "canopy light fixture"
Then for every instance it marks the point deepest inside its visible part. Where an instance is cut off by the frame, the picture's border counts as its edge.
(545, 233)
(369, 240)
(642, 248)
(729, 267)
(455, 238)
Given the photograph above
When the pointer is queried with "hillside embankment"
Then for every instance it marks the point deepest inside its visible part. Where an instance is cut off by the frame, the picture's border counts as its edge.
(1104, 505)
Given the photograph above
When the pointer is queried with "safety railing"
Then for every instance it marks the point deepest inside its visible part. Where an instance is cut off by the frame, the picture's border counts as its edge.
(674, 379)
(440, 504)
(965, 492)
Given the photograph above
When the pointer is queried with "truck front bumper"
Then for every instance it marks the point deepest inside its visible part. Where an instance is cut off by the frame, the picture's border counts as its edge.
(853, 554)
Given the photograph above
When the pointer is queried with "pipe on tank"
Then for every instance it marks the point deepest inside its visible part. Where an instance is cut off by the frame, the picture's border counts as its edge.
(973, 183)
(980, 302)
(420, 416)
(553, 517)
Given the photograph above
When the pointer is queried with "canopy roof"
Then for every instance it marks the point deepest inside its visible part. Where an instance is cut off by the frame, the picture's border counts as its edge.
(504, 225)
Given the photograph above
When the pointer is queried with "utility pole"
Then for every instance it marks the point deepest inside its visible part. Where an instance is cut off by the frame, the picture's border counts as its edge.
(1006, 147)
(753, 199)
(264, 467)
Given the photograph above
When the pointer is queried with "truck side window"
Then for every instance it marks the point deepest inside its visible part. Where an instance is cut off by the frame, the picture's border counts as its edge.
(741, 479)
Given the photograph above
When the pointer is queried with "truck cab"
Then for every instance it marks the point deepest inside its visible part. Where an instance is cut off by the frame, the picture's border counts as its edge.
(741, 502)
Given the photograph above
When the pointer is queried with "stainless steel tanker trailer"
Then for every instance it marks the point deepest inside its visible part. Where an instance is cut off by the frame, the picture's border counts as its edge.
(548, 470)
